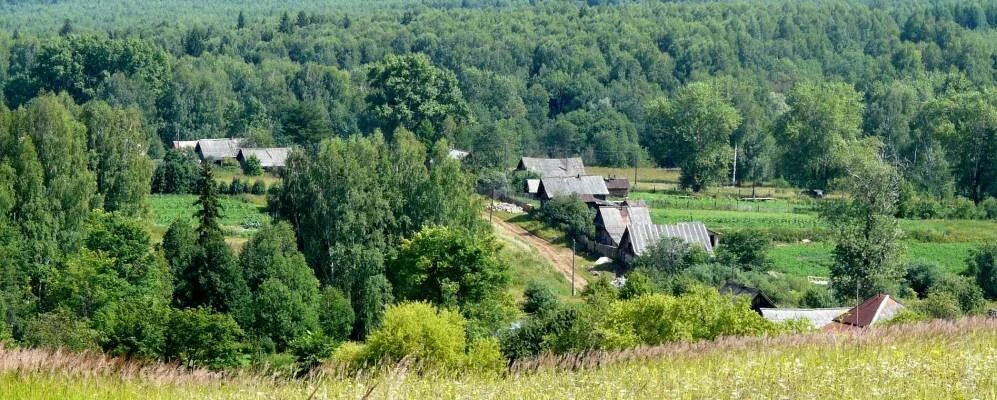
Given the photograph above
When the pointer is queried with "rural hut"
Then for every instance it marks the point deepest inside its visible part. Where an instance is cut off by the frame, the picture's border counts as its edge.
(618, 187)
(458, 155)
(638, 238)
(218, 149)
(591, 189)
(817, 317)
(612, 221)
(184, 144)
(532, 186)
(552, 167)
(758, 299)
(880, 307)
(271, 158)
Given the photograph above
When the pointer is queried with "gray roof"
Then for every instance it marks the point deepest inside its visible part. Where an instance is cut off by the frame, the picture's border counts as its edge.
(554, 167)
(219, 148)
(615, 219)
(269, 157)
(184, 144)
(574, 185)
(818, 317)
(458, 155)
(643, 236)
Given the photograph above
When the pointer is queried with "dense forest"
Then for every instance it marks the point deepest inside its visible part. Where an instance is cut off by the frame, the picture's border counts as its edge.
(373, 95)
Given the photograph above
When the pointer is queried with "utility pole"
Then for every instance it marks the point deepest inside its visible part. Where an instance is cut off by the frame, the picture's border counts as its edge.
(733, 177)
(635, 169)
(491, 210)
(572, 266)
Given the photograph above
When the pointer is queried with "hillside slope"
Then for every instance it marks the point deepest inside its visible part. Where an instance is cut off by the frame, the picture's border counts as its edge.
(927, 361)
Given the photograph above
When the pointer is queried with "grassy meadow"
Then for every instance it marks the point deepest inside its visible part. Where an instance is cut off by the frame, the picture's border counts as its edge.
(935, 360)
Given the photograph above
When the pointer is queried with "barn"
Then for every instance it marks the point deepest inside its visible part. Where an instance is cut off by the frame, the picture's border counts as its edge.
(271, 158)
(638, 238)
(218, 150)
(612, 221)
(591, 189)
(552, 167)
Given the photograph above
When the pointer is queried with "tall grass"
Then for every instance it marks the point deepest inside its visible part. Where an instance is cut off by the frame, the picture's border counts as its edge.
(935, 360)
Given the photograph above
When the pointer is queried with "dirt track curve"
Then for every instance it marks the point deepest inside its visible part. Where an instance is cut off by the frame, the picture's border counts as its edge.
(557, 256)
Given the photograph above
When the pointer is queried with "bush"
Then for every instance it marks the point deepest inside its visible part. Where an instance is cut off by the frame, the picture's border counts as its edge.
(435, 338)
(921, 276)
(484, 356)
(237, 187)
(638, 284)
(938, 305)
(252, 166)
(312, 348)
(539, 298)
(203, 338)
(745, 249)
(703, 314)
(259, 188)
(962, 208)
(817, 297)
(61, 328)
(967, 295)
(988, 208)
(335, 314)
(569, 214)
(176, 174)
(982, 265)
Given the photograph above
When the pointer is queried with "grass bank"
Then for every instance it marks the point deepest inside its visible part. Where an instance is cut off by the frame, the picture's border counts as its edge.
(937, 360)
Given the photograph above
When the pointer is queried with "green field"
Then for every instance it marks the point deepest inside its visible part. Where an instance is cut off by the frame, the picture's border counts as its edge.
(939, 360)
(241, 214)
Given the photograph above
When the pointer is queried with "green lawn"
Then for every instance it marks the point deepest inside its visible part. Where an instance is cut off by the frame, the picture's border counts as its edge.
(812, 259)
(227, 173)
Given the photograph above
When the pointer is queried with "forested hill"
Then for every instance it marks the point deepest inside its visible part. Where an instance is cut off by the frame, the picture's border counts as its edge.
(555, 78)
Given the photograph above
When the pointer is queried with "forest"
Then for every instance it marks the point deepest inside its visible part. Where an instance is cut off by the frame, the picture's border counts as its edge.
(376, 232)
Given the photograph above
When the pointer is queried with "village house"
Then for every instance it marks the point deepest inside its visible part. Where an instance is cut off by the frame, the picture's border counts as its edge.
(184, 144)
(879, 308)
(612, 221)
(758, 299)
(638, 238)
(591, 189)
(218, 150)
(552, 167)
(618, 187)
(271, 158)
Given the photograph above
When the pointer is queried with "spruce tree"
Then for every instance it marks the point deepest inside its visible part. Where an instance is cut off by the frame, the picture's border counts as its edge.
(241, 22)
(285, 23)
(210, 210)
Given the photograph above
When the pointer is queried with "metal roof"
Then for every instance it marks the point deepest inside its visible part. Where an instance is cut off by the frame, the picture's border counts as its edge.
(878, 308)
(614, 219)
(617, 183)
(219, 148)
(646, 235)
(458, 155)
(574, 185)
(269, 157)
(818, 317)
(554, 167)
(184, 144)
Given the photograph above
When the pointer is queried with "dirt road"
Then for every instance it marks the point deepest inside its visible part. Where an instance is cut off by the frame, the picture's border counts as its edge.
(557, 256)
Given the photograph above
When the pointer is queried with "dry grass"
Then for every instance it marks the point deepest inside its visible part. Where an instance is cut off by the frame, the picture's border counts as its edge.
(925, 361)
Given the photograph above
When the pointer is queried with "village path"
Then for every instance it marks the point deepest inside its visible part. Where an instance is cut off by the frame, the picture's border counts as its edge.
(559, 257)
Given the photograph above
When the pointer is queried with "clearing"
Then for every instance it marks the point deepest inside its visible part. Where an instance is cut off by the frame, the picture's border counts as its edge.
(558, 257)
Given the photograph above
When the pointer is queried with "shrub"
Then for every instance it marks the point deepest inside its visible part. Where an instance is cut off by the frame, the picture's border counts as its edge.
(176, 174)
(746, 249)
(938, 305)
(484, 356)
(433, 337)
(335, 314)
(201, 337)
(539, 298)
(817, 297)
(967, 295)
(312, 348)
(237, 187)
(638, 284)
(703, 314)
(962, 208)
(61, 328)
(569, 214)
(921, 276)
(982, 264)
(252, 166)
(259, 188)
(988, 208)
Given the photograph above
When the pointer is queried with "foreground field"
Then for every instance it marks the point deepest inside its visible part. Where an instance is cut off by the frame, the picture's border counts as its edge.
(930, 361)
